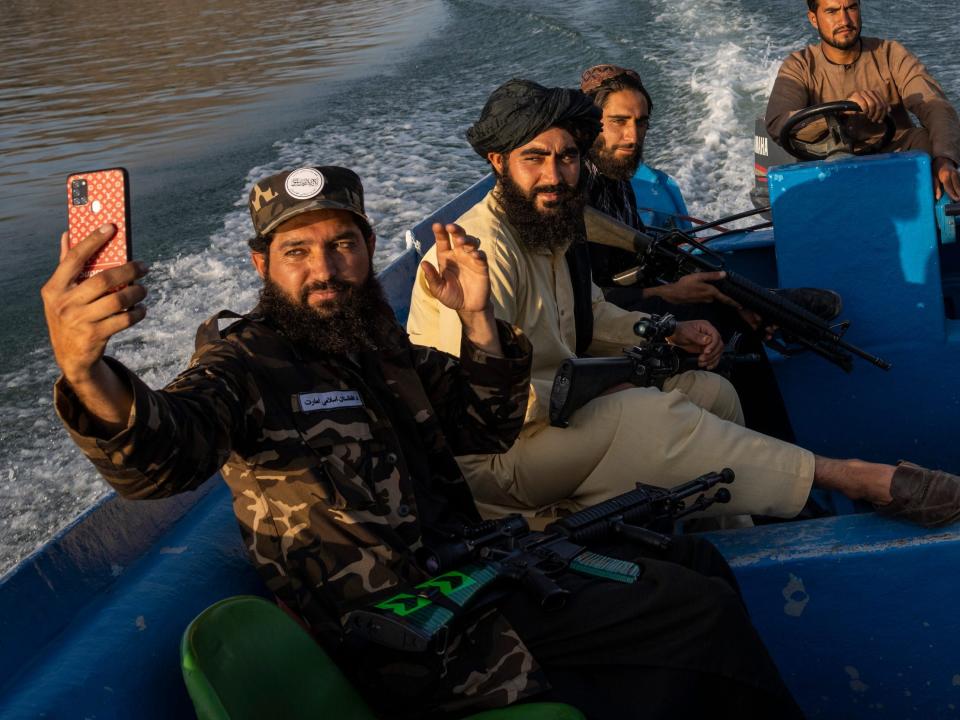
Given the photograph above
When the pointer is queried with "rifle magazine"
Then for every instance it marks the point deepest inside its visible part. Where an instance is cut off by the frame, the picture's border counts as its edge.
(608, 568)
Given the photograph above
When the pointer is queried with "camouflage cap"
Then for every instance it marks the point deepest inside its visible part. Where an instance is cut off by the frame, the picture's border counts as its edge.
(277, 198)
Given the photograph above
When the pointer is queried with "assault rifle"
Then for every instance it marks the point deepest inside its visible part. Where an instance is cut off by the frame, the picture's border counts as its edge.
(580, 380)
(665, 260)
(472, 558)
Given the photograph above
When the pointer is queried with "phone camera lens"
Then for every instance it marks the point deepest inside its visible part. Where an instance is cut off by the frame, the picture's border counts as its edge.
(78, 192)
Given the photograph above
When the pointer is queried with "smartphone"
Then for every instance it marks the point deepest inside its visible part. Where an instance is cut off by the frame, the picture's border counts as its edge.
(93, 199)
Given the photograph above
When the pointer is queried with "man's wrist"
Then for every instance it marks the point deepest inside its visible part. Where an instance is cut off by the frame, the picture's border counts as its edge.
(86, 376)
(480, 329)
(106, 396)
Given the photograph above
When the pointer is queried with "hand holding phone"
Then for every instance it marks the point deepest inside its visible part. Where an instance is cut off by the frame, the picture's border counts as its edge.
(94, 199)
(82, 316)
(93, 294)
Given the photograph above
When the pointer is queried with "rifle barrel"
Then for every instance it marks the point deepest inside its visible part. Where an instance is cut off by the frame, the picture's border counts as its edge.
(729, 218)
(807, 328)
(788, 315)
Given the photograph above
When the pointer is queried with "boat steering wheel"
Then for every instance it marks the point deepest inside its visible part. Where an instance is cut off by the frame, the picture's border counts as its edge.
(835, 138)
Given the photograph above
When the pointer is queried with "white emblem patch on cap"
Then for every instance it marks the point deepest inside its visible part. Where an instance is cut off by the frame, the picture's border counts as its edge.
(304, 183)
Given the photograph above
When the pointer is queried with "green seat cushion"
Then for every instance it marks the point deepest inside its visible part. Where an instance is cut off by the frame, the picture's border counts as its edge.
(244, 658)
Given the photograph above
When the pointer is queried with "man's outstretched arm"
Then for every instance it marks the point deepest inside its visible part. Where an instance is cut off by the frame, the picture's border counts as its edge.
(145, 443)
(82, 316)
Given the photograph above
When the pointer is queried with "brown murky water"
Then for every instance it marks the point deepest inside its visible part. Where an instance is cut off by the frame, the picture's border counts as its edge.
(132, 80)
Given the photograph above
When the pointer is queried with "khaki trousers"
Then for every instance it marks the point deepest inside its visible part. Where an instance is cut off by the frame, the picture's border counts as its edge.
(661, 438)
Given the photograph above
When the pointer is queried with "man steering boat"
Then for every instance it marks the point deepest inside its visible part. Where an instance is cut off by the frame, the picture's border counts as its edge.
(879, 76)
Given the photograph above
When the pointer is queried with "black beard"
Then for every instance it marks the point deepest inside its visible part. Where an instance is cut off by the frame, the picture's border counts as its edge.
(554, 228)
(611, 166)
(841, 46)
(358, 319)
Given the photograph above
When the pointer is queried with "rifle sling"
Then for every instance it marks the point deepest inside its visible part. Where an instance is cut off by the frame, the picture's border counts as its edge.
(578, 262)
(420, 620)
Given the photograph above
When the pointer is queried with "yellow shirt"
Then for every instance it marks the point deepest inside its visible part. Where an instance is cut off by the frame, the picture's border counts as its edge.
(530, 289)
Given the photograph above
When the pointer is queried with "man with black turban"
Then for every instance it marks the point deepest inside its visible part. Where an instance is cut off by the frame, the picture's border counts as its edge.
(519, 110)
(532, 229)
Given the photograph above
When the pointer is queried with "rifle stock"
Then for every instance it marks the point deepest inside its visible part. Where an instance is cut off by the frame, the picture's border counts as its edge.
(580, 380)
(664, 260)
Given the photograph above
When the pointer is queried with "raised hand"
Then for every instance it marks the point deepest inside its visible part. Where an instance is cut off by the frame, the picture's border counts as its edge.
(82, 316)
(461, 282)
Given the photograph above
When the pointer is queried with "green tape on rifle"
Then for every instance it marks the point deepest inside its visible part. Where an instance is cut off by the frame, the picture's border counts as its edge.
(590, 563)
(403, 604)
(430, 619)
(458, 586)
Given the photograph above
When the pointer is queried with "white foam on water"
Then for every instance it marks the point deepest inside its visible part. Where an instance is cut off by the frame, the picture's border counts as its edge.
(409, 166)
(719, 63)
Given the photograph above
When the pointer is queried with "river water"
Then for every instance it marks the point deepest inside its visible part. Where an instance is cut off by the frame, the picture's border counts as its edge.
(199, 99)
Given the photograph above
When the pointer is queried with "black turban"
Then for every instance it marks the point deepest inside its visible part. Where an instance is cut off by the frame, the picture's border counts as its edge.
(519, 110)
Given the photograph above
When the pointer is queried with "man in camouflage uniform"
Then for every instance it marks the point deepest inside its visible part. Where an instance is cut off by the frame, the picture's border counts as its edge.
(337, 439)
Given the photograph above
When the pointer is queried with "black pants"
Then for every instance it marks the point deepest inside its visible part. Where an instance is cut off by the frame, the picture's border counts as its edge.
(755, 383)
(676, 644)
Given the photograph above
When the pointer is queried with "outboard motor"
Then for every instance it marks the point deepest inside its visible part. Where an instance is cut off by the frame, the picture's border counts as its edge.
(948, 215)
(766, 154)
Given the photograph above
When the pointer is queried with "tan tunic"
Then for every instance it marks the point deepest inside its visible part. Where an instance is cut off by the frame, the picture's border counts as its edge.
(808, 78)
(533, 288)
(616, 440)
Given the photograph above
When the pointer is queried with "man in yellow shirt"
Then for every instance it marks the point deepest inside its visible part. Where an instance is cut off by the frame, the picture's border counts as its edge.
(534, 138)
(881, 76)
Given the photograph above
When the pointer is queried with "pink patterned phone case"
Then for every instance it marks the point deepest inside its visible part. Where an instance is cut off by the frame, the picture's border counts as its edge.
(93, 199)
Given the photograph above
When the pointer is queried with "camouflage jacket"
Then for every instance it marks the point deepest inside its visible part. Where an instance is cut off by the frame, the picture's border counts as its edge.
(335, 464)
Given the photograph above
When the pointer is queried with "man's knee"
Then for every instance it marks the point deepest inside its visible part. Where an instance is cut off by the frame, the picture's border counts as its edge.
(712, 392)
(917, 138)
